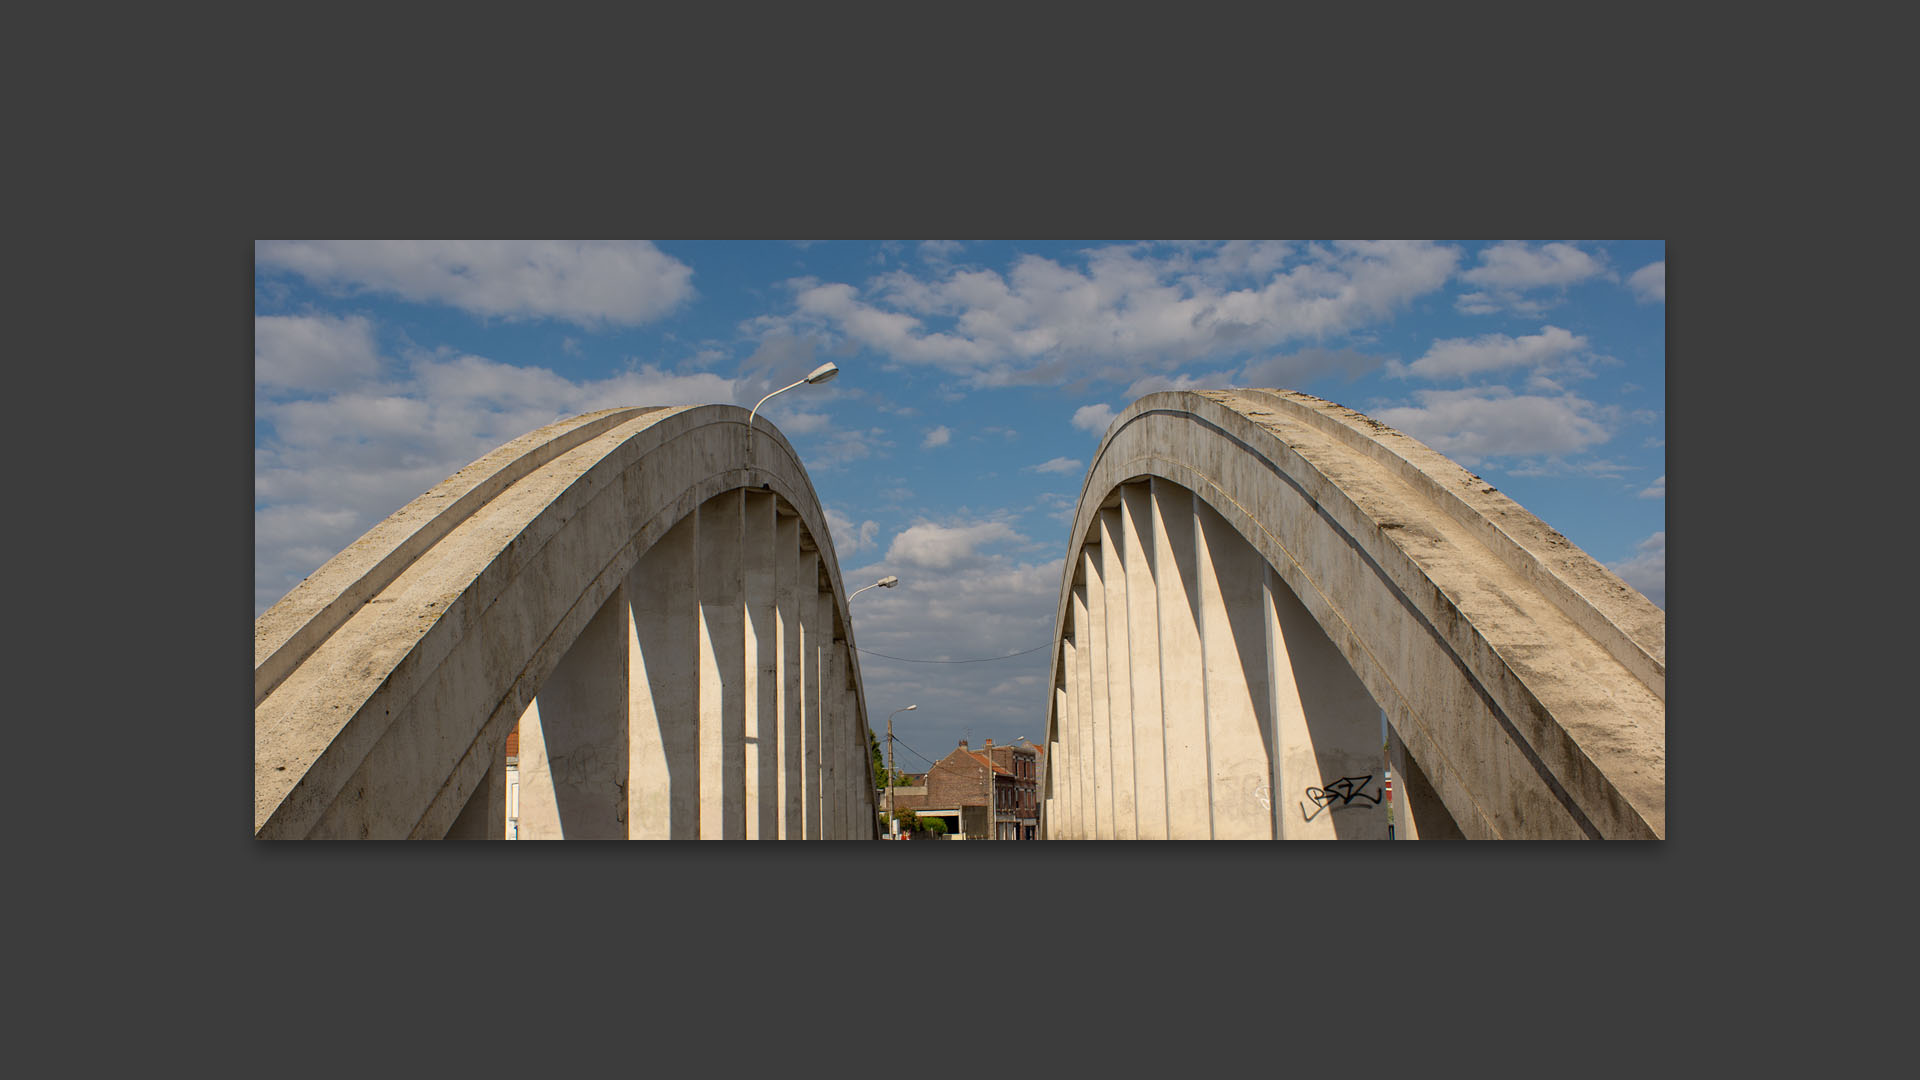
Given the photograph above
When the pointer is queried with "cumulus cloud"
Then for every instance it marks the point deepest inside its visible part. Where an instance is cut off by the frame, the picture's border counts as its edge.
(845, 446)
(928, 546)
(939, 436)
(1054, 465)
(329, 467)
(1647, 569)
(312, 352)
(1460, 357)
(1094, 418)
(1514, 265)
(1130, 311)
(589, 283)
(848, 537)
(1649, 283)
(992, 608)
(1658, 489)
(1471, 424)
(1509, 270)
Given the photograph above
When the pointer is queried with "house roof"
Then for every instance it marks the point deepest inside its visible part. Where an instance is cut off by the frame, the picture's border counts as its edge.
(982, 758)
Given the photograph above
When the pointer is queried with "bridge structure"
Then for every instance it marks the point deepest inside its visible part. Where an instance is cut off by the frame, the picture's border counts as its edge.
(648, 595)
(1258, 580)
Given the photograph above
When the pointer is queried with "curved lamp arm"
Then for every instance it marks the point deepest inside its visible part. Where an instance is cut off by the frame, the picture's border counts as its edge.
(818, 375)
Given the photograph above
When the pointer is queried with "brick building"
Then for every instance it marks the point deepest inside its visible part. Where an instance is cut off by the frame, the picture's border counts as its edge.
(955, 790)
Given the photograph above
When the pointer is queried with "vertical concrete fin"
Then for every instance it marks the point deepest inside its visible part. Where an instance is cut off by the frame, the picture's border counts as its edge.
(788, 565)
(1183, 694)
(664, 783)
(1084, 744)
(760, 669)
(814, 637)
(831, 735)
(1119, 665)
(1143, 632)
(577, 731)
(722, 660)
(1097, 649)
(1233, 648)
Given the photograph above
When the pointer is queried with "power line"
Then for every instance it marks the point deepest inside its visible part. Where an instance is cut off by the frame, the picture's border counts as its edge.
(981, 660)
(916, 753)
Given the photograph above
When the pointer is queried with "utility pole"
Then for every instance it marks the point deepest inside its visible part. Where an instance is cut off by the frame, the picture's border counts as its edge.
(893, 828)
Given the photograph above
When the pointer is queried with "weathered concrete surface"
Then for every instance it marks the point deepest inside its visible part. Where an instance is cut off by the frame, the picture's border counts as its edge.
(1523, 682)
(386, 683)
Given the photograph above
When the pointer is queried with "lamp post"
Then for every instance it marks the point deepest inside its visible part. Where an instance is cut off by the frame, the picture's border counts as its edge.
(818, 375)
(893, 827)
(887, 582)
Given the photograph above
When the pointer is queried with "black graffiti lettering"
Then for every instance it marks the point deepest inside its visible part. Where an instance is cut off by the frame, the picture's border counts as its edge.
(1337, 795)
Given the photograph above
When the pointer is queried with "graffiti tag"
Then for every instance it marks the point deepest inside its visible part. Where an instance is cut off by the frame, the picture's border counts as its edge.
(1339, 794)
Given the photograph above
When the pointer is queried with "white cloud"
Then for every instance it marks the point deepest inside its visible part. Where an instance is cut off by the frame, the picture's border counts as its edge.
(1649, 283)
(1094, 418)
(1488, 303)
(939, 436)
(940, 250)
(1475, 423)
(1130, 312)
(587, 282)
(1054, 465)
(1514, 265)
(848, 537)
(928, 546)
(1647, 570)
(313, 352)
(1460, 357)
(1658, 490)
(330, 467)
(1509, 270)
(842, 447)
(992, 608)
(797, 422)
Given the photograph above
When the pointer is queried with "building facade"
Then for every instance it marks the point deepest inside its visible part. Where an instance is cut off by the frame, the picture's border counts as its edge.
(957, 790)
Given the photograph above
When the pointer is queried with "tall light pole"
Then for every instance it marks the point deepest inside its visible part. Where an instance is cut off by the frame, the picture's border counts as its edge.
(887, 582)
(893, 827)
(818, 375)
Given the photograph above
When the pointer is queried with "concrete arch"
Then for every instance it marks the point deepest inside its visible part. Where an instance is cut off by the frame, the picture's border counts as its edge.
(649, 594)
(1255, 576)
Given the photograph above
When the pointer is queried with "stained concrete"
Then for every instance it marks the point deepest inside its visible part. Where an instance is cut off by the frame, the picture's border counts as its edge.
(567, 583)
(1524, 684)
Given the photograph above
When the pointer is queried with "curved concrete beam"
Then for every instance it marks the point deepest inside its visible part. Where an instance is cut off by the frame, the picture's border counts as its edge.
(386, 683)
(1523, 682)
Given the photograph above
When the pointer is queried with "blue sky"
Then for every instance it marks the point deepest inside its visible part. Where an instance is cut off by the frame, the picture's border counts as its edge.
(976, 381)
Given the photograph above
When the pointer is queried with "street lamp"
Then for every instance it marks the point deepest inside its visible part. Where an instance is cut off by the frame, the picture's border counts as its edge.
(893, 826)
(887, 582)
(819, 375)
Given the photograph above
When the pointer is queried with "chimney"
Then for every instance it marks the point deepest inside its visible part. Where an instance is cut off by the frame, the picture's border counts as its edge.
(963, 744)
(989, 744)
